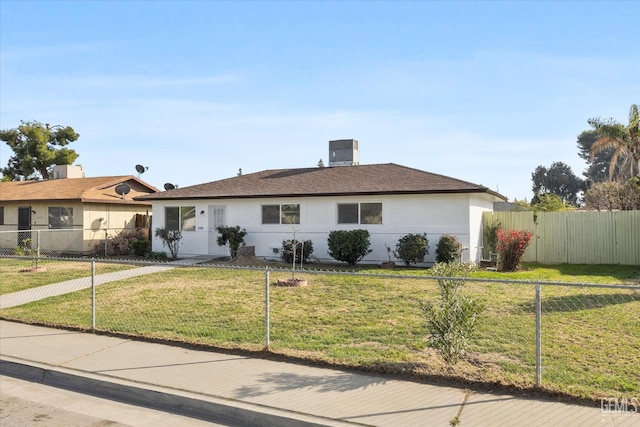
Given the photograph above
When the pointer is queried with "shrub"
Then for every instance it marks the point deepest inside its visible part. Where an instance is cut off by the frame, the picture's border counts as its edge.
(171, 239)
(302, 249)
(121, 243)
(233, 236)
(140, 247)
(511, 246)
(412, 248)
(490, 238)
(349, 246)
(156, 256)
(448, 249)
(25, 248)
(451, 322)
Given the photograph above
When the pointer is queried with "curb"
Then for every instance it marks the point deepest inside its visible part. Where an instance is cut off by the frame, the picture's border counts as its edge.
(179, 402)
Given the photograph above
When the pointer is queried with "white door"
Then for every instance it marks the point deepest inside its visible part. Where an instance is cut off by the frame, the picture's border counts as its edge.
(217, 218)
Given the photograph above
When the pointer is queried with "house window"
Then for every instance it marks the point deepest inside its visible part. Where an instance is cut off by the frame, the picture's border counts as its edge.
(281, 214)
(359, 213)
(182, 218)
(60, 217)
(370, 213)
(1, 215)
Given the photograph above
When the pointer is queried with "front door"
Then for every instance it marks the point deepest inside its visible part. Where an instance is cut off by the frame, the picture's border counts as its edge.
(24, 224)
(217, 218)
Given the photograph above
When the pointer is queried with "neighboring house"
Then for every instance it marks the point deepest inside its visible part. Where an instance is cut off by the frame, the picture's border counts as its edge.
(73, 210)
(388, 200)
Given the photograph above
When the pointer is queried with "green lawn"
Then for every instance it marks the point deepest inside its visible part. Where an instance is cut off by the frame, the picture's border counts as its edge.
(15, 275)
(590, 336)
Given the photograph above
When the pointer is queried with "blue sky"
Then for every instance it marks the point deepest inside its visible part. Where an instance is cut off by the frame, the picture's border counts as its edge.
(480, 91)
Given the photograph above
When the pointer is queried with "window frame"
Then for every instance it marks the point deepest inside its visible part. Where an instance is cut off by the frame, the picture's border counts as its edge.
(285, 211)
(1, 215)
(56, 212)
(175, 218)
(359, 218)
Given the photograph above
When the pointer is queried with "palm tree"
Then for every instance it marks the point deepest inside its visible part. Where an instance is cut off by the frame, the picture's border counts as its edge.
(625, 140)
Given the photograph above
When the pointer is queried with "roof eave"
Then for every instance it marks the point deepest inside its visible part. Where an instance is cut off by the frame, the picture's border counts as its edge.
(327, 194)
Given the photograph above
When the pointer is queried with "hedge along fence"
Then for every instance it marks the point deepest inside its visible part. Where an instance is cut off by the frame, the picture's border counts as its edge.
(576, 237)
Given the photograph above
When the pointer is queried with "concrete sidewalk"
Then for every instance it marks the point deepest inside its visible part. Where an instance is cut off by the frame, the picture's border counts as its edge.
(240, 390)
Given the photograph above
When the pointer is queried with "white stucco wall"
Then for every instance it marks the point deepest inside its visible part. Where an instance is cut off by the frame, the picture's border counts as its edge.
(456, 214)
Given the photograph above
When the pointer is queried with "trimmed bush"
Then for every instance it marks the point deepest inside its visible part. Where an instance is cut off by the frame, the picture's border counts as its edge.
(300, 251)
(412, 248)
(233, 236)
(140, 247)
(448, 249)
(349, 246)
(171, 239)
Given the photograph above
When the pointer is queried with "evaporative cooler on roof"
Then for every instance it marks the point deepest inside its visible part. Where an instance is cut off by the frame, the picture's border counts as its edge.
(344, 152)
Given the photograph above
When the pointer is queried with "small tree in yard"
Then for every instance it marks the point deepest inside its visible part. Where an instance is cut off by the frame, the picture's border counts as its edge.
(349, 246)
(451, 321)
(412, 248)
(511, 246)
(448, 249)
(298, 253)
(234, 236)
(171, 239)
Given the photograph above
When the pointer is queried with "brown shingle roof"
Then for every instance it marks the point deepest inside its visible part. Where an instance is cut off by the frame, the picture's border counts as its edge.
(96, 190)
(330, 181)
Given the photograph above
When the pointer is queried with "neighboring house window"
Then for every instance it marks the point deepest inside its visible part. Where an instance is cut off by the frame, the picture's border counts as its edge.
(60, 217)
(1, 215)
(359, 213)
(181, 218)
(281, 214)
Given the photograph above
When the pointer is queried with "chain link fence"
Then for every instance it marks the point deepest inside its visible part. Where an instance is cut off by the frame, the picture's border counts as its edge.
(578, 339)
(70, 242)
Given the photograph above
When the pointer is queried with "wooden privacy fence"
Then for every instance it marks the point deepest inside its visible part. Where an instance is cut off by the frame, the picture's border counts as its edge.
(576, 237)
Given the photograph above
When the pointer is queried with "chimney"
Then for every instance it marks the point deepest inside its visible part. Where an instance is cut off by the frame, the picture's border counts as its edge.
(344, 152)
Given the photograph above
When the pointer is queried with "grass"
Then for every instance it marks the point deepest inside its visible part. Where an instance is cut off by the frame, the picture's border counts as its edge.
(14, 276)
(591, 336)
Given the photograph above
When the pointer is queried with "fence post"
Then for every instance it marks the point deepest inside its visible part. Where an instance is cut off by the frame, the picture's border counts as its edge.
(267, 319)
(538, 336)
(93, 295)
(37, 247)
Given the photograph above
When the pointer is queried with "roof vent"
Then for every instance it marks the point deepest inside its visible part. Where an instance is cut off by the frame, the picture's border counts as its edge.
(344, 152)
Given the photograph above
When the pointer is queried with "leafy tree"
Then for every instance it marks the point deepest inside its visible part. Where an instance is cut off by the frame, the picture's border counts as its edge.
(234, 236)
(37, 148)
(412, 248)
(349, 246)
(598, 165)
(609, 196)
(623, 139)
(559, 180)
(548, 202)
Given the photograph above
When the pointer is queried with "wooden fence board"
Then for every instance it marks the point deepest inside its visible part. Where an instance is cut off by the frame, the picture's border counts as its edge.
(576, 237)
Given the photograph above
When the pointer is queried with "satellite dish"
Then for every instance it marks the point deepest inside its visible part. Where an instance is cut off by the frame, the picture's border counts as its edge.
(141, 169)
(123, 189)
(169, 186)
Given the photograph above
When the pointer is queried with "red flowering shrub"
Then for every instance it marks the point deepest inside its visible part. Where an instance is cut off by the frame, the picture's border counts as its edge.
(511, 246)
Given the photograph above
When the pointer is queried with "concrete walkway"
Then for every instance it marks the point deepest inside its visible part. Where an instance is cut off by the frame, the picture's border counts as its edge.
(240, 390)
(61, 288)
